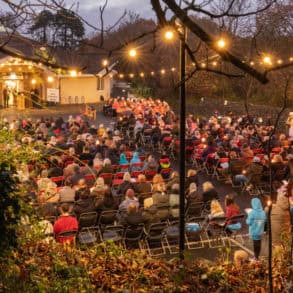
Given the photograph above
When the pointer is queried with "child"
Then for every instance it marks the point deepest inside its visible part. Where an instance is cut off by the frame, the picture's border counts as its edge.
(256, 221)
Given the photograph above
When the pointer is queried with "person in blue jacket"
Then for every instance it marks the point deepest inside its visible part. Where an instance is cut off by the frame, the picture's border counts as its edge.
(256, 220)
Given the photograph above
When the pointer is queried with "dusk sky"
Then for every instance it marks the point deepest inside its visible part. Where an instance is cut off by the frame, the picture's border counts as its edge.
(89, 9)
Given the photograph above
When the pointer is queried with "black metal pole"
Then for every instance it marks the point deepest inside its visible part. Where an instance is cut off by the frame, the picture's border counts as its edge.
(182, 145)
(269, 222)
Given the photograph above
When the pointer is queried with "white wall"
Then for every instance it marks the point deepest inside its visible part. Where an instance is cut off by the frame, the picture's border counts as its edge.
(83, 86)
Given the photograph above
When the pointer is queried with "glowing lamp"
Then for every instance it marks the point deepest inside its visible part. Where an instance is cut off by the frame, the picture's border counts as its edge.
(132, 53)
(267, 60)
(33, 81)
(169, 35)
(105, 62)
(73, 73)
(221, 43)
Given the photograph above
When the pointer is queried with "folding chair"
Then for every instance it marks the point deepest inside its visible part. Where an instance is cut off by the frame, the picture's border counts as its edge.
(90, 179)
(132, 236)
(175, 149)
(150, 175)
(135, 174)
(166, 143)
(166, 173)
(171, 239)
(194, 209)
(237, 228)
(136, 166)
(153, 240)
(87, 220)
(107, 178)
(216, 233)
(208, 165)
(58, 180)
(123, 168)
(107, 218)
(112, 233)
(218, 170)
(65, 234)
(194, 230)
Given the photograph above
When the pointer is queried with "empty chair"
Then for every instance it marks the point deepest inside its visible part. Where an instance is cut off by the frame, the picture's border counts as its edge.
(154, 238)
(132, 236)
(112, 233)
(195, 209)
(171, 239)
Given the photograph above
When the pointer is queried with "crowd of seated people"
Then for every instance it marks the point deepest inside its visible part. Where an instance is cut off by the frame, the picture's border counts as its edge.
(94, 169)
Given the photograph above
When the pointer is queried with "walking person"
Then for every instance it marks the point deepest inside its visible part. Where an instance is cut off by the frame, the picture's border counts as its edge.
(256, 221)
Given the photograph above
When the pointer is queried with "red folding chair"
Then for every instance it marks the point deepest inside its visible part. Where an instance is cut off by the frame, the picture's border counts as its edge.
(137, 165)
(58, 180)
(134, 174)
(150, 175)
(90, 179)
(124, 167)
(107, 178)
(119, 175)
(166, 173)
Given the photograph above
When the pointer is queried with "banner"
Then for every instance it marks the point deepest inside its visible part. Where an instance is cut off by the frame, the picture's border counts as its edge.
(53, 95)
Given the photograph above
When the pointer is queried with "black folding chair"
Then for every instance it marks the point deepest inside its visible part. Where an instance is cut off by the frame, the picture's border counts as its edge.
(194, 231)
(153, 240)
(132, 236)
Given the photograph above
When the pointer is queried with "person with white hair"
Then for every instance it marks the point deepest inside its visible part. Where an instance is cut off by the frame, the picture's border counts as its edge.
(126, 184)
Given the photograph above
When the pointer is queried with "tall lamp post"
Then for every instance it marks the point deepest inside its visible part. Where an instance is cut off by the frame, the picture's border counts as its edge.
(182, 143)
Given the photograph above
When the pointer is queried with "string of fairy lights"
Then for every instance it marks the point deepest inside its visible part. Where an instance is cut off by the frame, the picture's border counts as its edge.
(265, 62)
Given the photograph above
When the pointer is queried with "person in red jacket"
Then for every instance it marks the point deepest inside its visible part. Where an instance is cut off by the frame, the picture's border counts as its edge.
(65, 223)
(232, 209)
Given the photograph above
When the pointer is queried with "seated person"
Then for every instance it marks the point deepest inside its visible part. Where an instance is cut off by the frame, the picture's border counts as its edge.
(174, 178)
(84, 204)
(107, 202)
(125, 185)
(133, 216)
(129, 198)
(209, 192)
(252, 174)
(142, 185)
(193, 195)
(216, 210)
(65, 223)
(67, 193)
(135, 159)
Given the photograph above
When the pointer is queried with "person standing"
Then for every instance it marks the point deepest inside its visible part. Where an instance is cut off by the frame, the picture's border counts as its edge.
(5, 97)
(256, 221)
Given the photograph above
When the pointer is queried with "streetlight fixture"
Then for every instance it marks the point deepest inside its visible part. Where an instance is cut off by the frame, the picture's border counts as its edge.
(169, 35)
(132, 53)
(221, 43)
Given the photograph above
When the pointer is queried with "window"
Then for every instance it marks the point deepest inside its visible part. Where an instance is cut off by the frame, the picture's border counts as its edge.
(100, 83)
